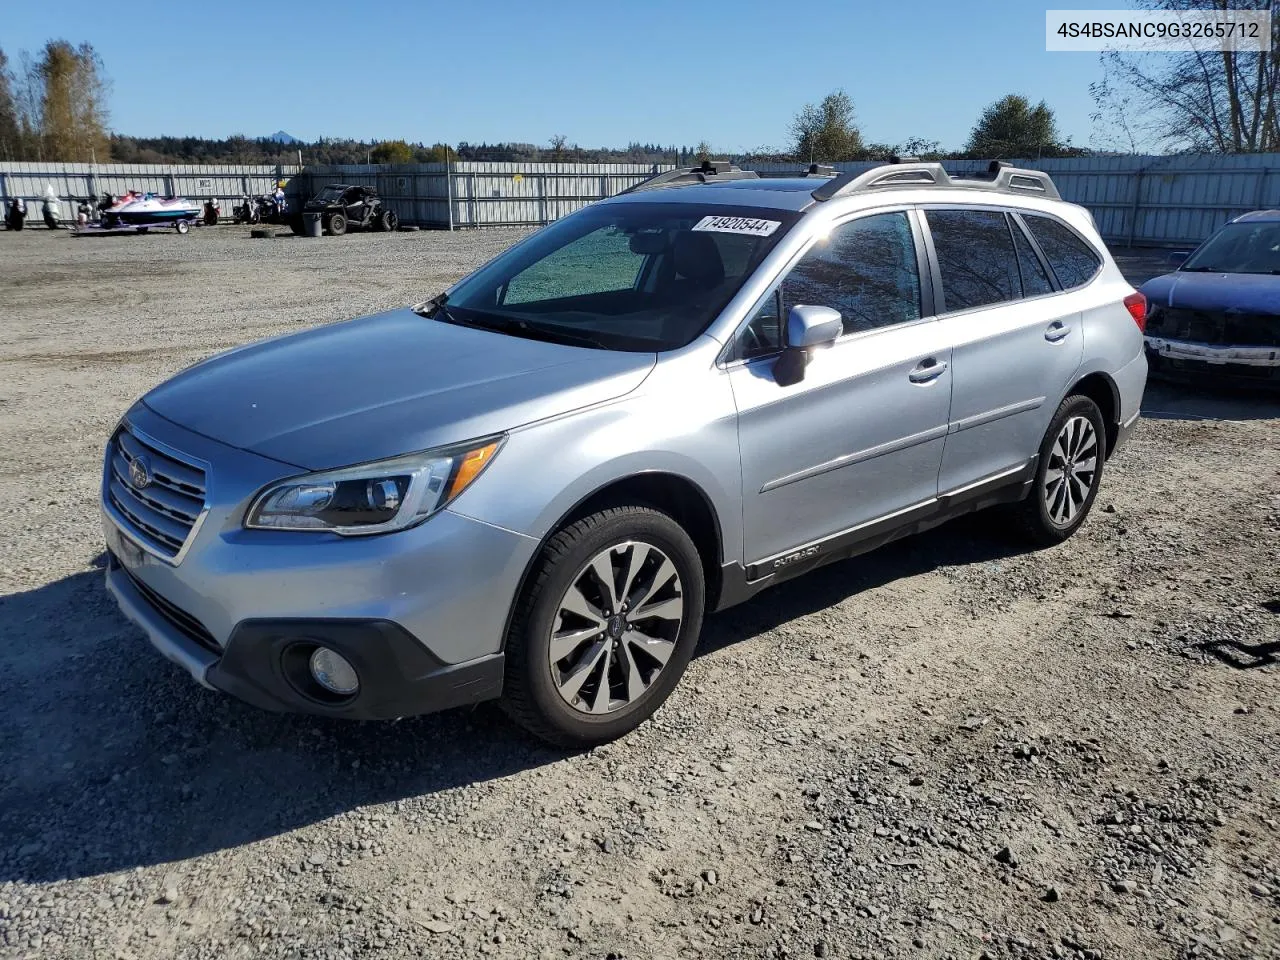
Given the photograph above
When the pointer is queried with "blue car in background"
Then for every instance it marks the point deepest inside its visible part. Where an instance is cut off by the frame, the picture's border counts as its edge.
(1217, 317)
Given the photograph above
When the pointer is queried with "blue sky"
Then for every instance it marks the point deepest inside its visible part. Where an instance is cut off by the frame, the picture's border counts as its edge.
(603, 72)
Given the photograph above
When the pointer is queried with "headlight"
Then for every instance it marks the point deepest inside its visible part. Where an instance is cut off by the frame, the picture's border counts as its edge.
(373, 497)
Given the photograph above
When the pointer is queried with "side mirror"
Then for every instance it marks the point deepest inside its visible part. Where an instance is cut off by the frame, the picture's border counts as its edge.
(812, 326)
(1179, 257)
(807, 327)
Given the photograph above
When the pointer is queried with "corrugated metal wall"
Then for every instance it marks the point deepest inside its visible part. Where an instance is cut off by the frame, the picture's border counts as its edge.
(1155, 201)
(1136, 200)
(485, 194)
(77, 181)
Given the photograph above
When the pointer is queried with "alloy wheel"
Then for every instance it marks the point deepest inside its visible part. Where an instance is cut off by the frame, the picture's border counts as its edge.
(1071, 472)
(616, 627)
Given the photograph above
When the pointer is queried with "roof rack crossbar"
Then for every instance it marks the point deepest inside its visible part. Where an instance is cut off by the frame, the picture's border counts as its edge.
(709, 171)
(1001, 178)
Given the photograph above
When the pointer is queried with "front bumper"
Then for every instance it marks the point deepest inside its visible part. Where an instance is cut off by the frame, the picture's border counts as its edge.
(263, 663)
(1202, 362)
(422, 612)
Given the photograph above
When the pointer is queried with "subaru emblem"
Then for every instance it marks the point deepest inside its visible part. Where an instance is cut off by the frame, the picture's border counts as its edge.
(139, 473)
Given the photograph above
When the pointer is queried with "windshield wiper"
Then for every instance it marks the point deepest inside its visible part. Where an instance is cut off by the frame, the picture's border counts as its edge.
(437, 309)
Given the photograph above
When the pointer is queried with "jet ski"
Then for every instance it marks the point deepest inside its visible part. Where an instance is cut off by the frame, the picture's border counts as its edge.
(148, 210)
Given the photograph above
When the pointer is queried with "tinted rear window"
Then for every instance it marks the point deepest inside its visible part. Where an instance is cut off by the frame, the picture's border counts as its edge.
(1073, 260)
(976, 257)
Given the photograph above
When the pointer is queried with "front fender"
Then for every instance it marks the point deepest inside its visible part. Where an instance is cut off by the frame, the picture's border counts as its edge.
(546, 470)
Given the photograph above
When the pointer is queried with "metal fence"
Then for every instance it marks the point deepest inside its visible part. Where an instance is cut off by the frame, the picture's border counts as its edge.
(1161, 201)
(81, 181)
(484, 194)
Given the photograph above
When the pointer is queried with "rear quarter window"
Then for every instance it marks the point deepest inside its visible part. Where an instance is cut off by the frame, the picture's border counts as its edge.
(1073, 260)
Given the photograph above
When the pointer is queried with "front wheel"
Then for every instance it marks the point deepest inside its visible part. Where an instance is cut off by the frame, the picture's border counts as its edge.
(337, 225)
(388, 221)
(605, 628)
(1068, 473)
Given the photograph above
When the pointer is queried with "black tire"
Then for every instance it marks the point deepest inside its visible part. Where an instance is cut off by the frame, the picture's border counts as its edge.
(388, 221)
(530, 696)
(1034, 515)
(182, 226)
(336, 226)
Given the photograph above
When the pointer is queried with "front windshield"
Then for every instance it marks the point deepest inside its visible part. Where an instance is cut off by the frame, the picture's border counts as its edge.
(1249, 247)
(330, 193)
(625, 276)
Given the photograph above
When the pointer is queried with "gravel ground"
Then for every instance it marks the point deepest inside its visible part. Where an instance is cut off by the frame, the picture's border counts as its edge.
(946, 749)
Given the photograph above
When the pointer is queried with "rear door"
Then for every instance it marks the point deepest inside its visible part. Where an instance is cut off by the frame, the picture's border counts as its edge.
(860, 437)
(1016, 342)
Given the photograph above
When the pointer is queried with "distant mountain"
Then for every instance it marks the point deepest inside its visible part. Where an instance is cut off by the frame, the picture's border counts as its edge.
(281, 137)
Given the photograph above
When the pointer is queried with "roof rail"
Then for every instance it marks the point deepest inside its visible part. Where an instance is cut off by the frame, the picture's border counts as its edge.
(1000, 177)
(708, 171)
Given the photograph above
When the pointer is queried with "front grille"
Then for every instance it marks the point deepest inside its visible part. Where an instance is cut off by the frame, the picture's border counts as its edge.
(186, 624)
(163, 511)
(1214, 326)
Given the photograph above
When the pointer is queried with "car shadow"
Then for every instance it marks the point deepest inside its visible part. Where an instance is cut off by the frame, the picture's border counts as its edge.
(1175, 401)
(115, 759)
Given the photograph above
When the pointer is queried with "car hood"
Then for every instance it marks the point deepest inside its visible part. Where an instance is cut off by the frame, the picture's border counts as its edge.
(1242, 292)
(384, 385)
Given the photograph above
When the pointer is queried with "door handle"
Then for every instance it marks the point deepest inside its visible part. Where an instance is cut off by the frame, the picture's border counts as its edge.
(927, 370)
(1057, 331)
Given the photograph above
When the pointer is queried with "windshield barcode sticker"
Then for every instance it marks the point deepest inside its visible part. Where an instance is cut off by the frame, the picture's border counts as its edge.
(748, 225)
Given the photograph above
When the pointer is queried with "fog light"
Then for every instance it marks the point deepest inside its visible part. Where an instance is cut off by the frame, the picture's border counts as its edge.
(333, 672)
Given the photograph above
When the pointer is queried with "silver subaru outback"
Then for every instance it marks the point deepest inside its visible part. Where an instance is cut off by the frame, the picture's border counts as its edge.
(535, 485)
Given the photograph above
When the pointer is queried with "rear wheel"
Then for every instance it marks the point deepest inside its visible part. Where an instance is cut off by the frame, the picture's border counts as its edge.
(337, 225)
(1068, 473)
(606, 627)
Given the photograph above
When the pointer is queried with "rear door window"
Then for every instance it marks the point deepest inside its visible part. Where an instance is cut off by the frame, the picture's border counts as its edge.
(976, 257)
(1073, 260)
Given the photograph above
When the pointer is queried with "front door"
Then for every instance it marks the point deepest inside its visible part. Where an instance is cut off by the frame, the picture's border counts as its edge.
(860, 437)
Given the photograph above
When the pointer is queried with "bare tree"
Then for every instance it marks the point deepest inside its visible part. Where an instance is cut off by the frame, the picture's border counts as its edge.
(558, 142)
(1222, 101)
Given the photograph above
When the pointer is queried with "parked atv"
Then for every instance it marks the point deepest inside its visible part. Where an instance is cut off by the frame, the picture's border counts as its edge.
(343, 207)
